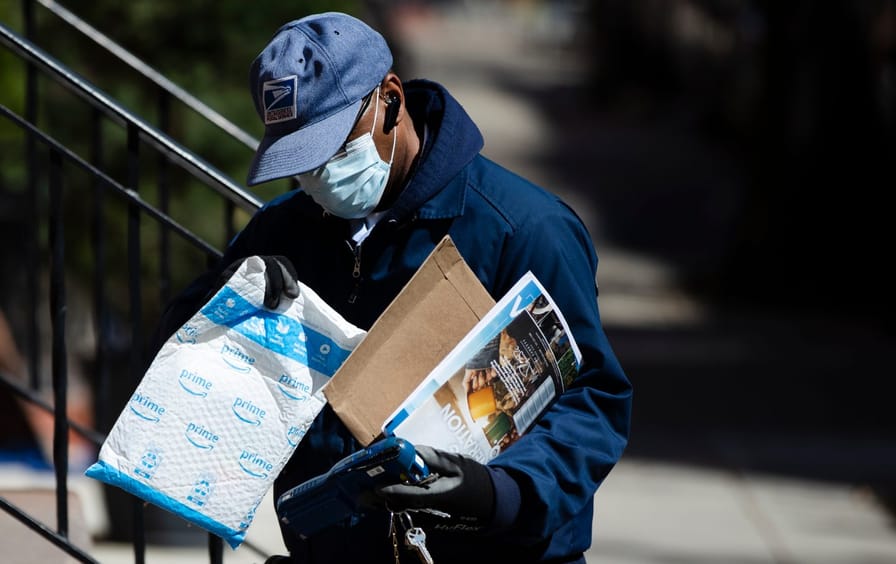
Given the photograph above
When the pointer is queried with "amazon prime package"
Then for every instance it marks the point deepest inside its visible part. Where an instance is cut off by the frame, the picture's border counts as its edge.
(225, 402)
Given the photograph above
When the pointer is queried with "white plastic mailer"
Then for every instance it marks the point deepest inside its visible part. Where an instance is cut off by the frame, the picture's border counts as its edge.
(225, 402)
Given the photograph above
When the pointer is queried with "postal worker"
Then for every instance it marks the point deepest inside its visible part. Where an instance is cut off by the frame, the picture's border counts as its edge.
(385, 169)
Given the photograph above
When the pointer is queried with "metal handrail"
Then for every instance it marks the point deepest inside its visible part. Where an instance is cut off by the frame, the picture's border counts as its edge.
(204, 171)
(40, 528)
(129, 194)
(138, 131)
(150, 73)
(31, 397)
(7, 382)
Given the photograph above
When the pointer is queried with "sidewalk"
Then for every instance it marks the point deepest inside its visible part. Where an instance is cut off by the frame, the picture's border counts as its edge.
(647, 512)
(652, 512)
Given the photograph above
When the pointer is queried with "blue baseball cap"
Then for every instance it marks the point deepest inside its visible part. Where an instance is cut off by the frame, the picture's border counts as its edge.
(308, 85)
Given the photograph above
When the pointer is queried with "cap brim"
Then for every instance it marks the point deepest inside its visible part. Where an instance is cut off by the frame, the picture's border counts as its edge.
(279, 156)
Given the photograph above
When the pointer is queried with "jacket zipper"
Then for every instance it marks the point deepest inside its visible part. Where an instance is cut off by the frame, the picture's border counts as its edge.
(356, 271)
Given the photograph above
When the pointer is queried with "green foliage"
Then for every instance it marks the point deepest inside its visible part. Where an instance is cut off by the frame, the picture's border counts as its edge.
(203, 46)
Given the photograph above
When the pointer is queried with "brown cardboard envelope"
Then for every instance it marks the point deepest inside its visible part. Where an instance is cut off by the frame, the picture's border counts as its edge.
(434, 311)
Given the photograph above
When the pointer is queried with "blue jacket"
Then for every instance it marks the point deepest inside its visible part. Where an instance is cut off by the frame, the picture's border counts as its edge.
(503, 226)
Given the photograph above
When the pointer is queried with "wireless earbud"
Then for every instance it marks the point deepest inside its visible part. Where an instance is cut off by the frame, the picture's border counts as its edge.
(393, 104)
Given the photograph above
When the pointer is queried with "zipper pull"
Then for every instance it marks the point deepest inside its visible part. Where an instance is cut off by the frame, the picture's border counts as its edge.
(356, 272)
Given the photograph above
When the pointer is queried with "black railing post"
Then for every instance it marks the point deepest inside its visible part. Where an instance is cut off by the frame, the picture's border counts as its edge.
(136, 358)
(57, 314)
(134, 256)
(215, 549)
(164, 196)
(101, 314)
(31, 239)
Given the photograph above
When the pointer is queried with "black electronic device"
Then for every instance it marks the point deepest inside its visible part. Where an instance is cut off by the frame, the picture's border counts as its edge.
(336, 495)
(393, 104)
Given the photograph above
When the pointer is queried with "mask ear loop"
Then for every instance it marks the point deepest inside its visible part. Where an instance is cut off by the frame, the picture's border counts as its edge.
(376, 112)
(394, 138)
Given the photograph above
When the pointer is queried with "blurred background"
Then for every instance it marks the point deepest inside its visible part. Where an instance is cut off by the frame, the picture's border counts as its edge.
(731, 159)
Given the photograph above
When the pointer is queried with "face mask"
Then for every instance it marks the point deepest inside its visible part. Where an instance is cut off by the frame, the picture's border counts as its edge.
(351, 184)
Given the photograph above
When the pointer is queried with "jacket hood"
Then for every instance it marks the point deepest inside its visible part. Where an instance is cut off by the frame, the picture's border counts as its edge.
(452, 141)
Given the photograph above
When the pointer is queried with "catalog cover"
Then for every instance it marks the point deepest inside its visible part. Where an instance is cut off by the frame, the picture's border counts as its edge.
(497, 381)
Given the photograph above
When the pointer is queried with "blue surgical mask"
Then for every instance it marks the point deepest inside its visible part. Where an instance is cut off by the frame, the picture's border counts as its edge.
(351, 184)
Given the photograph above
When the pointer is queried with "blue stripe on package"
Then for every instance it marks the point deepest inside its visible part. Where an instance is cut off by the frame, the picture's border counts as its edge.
(225, 402)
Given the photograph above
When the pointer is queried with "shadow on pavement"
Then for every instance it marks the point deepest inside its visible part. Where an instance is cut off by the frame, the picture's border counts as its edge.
(772, 223)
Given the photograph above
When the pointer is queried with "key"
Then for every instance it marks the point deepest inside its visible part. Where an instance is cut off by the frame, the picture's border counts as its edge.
(415, 538)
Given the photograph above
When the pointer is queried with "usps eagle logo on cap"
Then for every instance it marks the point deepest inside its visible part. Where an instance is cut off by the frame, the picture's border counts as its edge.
(279, 98)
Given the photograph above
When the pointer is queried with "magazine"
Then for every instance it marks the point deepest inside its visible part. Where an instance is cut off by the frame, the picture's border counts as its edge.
(492, 387)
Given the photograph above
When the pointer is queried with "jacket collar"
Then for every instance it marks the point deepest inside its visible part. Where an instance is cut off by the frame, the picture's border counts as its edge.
(449, 201)
(436, 191)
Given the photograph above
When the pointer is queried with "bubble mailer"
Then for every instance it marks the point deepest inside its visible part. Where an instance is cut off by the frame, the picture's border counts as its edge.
(225, 402)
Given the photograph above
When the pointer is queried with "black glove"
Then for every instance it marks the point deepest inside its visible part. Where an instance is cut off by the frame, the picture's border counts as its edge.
(463, 490)
(279, 276)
